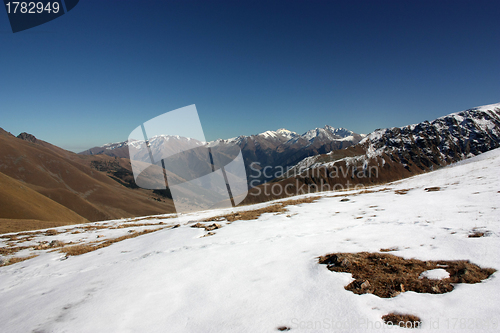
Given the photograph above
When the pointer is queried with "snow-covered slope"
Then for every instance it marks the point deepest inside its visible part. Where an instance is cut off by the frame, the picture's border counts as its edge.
(258, 275)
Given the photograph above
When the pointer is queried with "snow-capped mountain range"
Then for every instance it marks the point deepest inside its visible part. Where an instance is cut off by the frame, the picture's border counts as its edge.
(281, 148)
(327, 133)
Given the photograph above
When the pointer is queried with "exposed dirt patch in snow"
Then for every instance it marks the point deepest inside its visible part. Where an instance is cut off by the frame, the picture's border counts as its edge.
(386, 275)
(402, 191)
(402, 320)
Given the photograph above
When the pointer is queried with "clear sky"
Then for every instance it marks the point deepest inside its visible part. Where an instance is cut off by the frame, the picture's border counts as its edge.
(93, 75)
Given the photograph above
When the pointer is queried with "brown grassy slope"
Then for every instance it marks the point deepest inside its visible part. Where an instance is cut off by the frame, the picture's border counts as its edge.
(18, 201)
(62, 176)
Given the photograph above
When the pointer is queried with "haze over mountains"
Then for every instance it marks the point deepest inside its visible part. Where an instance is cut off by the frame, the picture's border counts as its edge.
(43, 183)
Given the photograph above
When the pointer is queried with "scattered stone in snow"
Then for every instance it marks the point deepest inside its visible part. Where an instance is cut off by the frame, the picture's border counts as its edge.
(41, 246)
(433, 189)
(213, 227)
(56, 243)
(478, 233)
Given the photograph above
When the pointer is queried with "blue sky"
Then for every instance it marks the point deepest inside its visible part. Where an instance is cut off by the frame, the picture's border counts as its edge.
(93, 75)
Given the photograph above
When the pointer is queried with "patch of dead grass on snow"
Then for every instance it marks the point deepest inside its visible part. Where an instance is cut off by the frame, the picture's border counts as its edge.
(15, 260)
(254, 214)
(402, 320)
(386, 275)
(76, 250)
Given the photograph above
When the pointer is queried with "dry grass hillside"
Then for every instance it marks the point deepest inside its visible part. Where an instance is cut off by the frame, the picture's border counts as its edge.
(21, 206)
(65, 179)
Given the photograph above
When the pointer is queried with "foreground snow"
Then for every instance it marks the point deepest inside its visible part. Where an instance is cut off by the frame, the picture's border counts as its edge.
(255, 276)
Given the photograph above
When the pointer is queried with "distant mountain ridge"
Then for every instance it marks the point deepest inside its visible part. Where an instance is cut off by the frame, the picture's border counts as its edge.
(120, 149)
(281, 148)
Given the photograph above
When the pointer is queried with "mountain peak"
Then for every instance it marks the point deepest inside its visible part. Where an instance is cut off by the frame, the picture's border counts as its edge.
(280, 134)
(27, 137)
(284, 131)
(329, 132)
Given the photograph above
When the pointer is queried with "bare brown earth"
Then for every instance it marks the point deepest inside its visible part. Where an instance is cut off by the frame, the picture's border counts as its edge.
(387, 275)
(41, 182)
(402, 320)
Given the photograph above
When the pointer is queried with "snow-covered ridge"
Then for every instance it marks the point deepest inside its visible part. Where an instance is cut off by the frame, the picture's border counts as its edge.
(490, 109)
(453, 129)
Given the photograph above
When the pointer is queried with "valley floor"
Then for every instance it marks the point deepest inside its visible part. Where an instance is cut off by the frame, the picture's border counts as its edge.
(263, 274)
